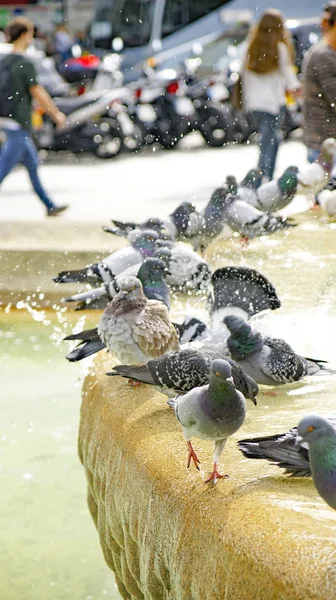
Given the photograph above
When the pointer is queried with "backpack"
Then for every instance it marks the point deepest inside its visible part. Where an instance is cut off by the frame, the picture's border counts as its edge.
(7, 93)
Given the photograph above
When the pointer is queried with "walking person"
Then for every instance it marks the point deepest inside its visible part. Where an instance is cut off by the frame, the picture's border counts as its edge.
(319, 68)
(267, 75)
(18, 86)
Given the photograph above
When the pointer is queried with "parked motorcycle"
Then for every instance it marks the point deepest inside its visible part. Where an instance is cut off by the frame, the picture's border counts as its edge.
(88, 129)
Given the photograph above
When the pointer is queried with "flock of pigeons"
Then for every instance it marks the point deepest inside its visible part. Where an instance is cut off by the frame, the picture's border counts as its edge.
(207, 369)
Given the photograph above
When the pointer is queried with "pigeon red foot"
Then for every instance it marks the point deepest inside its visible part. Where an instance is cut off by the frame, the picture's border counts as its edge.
(192, 456)
(215, 475)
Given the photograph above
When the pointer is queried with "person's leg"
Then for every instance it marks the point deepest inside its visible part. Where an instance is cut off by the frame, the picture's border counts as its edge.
(11, 153)
(269, 142)
(31, 161)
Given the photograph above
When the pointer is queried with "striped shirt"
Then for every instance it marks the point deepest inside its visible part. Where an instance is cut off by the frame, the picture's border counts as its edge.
(319, 69)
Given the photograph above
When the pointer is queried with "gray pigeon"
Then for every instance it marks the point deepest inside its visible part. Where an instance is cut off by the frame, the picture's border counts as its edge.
(315, 176)
(282, 450)
(211, 412)
(247, 189)
(309, 449)
(249, 221)
(142, 244)
(179, 225)
(278, 193)
(188, 270)
(135, 329)
(152, 273)
(269, 361)
(179, 372)
(320, 436)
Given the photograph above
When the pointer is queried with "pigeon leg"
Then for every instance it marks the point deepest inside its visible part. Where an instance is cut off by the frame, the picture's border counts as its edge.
(270, 393)
(192, 456)
(134, 383)
(219, 447)
(244, 240)
(215, 475)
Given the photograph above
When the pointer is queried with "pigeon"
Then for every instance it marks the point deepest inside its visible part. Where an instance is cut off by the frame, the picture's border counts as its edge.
(135, 329)
(278, 193)
(316, 175)
(239, 291)
(320, 435)
(178, 225)
(212, 220)
(247, 189)
(179, 372)
(142, 244)
(269, 361)
(151, 272)
(249, 221)
(188, 270)
(327, 201)
(282, 450)
(211, 412)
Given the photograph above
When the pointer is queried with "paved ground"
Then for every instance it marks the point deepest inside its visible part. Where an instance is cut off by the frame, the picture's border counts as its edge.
(132, 186)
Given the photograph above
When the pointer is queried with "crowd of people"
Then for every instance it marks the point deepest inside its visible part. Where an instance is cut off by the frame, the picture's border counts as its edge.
(267, 75)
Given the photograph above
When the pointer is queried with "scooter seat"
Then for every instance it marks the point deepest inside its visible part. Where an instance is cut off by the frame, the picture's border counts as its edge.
(70, 105)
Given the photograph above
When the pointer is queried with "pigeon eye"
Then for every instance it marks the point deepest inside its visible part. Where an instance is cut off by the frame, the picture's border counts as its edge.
(218, 373)
(310, 429)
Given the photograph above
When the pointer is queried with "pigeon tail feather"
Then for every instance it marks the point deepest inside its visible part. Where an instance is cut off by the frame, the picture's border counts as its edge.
(243, 288)
(84, 350)
(135, 372)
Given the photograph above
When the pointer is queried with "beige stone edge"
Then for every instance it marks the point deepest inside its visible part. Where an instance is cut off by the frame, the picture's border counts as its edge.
(167, 535)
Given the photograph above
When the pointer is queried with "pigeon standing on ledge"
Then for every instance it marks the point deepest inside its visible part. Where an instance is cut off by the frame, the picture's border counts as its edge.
(269, 361)
(179, 372)
(278, 193)
(315, 176)
(136, 329)
(249, 221)
(212, 412)
(309, 449)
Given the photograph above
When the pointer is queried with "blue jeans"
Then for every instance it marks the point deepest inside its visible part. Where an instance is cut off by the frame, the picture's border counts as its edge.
(20, 148)
(268, 126)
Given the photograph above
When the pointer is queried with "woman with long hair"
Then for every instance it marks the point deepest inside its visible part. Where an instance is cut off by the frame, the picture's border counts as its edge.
(267, 75)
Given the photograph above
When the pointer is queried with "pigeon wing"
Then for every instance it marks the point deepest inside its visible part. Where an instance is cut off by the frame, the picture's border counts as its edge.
(153, 331)
(279, 361)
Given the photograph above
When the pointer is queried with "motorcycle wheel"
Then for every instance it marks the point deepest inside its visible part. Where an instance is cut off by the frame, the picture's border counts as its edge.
(108, 139)
(215, 127)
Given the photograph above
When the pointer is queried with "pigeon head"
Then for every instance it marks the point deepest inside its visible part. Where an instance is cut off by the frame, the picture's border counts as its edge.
(231, 184)
(253, 389)
(181, 216)
(237, 325)
(252, 179)
(155, 224)
(221, 371)
(242, 341)
(153, 269)
(313, 428)
(288, 181)
(218, 197)
(130, 288)
(144, 241)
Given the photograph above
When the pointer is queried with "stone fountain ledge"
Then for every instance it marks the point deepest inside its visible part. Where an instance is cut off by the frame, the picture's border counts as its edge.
(166, 534)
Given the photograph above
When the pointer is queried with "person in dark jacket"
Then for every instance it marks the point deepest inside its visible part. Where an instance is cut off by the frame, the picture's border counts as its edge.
(319, 68)
(18, 146)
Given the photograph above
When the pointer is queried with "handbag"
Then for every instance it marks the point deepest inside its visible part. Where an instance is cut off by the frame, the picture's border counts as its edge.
(236, 97)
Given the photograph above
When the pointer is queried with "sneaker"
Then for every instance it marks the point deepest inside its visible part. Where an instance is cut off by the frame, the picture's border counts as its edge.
(56, 210)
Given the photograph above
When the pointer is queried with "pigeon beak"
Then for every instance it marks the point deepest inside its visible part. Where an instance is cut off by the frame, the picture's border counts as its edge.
(298, 441)
(254, 400)
(167, 271)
